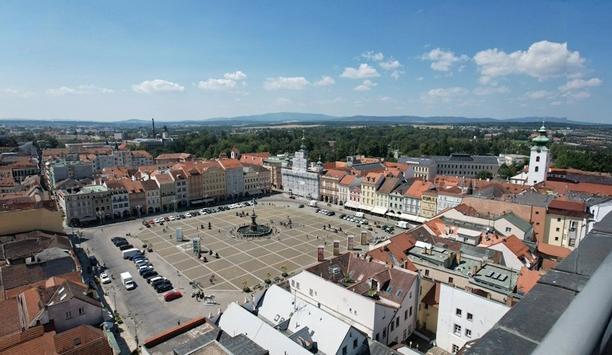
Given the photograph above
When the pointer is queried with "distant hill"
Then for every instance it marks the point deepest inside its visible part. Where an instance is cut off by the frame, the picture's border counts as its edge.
(296, 117)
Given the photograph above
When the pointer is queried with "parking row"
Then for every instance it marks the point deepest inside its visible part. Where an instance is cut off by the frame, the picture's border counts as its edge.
(145, 269)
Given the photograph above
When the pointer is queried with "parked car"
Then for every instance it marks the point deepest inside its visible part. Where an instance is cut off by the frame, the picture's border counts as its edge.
(163, 286)
(154, 279)
(301, 206)
(172, 295)
(171, 218)
(145, 268)
(118, 240)
(123, 247)
(149, 275)
(104, 278)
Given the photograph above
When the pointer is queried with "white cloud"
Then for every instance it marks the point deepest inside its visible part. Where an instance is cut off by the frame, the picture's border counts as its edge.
(578, 84)
(444, 94)
(366, 85)
(490, 90)
(235, 76)
(217, 84)
(16, 93)
(542, 60)
(157, 86)
(362, 72)
(228, 82)
(286, 83)
(442, 60)
(391, 64)
(325, 81)
(78, 90)
(539, 94)
(373, 56)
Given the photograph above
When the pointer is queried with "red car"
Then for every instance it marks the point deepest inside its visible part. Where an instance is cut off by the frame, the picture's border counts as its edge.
(172, 295)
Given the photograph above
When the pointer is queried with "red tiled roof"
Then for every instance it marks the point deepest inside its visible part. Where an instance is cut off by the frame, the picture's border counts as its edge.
(338, 174)
(526, 280)
(230, 163)
(553, 250)
(563, 188)
(347, 180)
(44, 345)
(9, 317)
(518, 248)
(83, 339)
(417, 188)
(173, 156)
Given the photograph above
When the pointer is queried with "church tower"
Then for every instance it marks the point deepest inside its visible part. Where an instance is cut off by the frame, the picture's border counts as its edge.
(539, 159)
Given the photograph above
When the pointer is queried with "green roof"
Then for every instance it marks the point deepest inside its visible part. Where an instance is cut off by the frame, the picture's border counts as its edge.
(517, 221)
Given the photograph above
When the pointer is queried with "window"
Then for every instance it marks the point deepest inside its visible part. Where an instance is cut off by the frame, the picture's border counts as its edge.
(558, 219)
(384, 334)
(455, 348)
(405, 314)
(344, 350)
(557, 229)
(538, 158)
(457, 329)
(354, 343)
(508, 229)
(410, 310)
(310, 292)
(81, 311)
(397, 322)
(376, 337)
(470, 316)
(392, 326)
(450, 280)
(537, 168)
(68, 315)
(468, 333)
(458, 312)
(426, 272)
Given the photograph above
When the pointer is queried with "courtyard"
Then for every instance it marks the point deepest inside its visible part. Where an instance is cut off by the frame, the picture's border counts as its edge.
(242, 263)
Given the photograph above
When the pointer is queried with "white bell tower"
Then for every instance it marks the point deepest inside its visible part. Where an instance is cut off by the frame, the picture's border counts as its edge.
(539, 159)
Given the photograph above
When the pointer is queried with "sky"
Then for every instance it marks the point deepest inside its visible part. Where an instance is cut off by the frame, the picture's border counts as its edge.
(175, 60)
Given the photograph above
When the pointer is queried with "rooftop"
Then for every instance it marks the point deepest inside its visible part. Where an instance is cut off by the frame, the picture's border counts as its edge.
(539, 319)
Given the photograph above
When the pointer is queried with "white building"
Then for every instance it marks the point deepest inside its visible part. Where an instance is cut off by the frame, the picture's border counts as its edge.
(539, 159)
(378, 300)
(234, 177)
(464, 316)
(312, 325)
(297, 180)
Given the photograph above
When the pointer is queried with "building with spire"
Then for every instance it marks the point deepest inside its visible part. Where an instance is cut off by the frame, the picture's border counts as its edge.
(297, 179)
(539, 159)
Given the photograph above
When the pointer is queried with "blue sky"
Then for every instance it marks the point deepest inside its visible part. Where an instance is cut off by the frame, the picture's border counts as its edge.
(191, 60)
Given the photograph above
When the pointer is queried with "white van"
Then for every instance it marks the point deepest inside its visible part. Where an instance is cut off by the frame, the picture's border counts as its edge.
(403, 225)
(128, 253)
(359, 214)
(127, 281)
(312, 203)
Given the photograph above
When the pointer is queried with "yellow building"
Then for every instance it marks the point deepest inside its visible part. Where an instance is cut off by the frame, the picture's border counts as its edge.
(429, 204)
(566, 223)
(429, 299)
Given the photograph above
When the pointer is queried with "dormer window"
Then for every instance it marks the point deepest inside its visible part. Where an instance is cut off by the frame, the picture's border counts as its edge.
(374, 285)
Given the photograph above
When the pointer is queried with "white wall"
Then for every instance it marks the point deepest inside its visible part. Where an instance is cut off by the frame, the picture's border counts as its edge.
(485, 313)
(361, 312)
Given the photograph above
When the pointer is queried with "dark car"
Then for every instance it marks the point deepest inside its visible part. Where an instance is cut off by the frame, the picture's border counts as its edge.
(125, 246)
(163, 287)
(145, 269)
(116, 240)
(301, 206)
(148, 273)
(159, 281)
(331, 213)
(120, 242)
